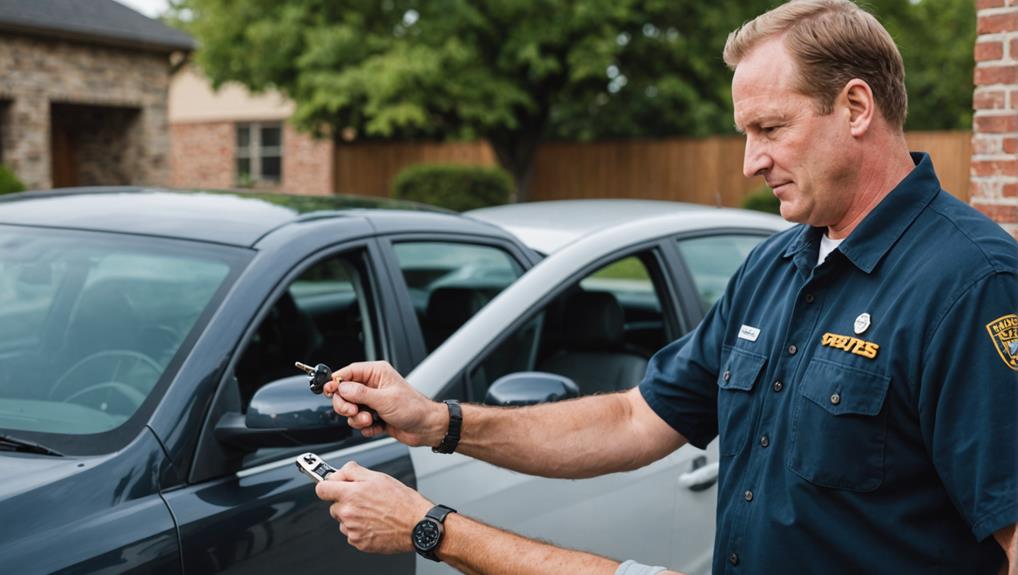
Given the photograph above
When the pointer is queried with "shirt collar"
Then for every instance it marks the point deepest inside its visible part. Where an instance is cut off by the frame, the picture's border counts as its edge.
(882, 227)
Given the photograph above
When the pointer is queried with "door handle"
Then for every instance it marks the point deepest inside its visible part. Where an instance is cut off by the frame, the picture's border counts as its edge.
(702, 477)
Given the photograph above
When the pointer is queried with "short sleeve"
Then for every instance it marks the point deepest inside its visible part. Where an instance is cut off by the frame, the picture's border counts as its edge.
(968, 402)
(680, 384)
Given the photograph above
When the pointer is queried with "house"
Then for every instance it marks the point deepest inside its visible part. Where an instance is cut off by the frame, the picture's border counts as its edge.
(229, 138)
(83, 92)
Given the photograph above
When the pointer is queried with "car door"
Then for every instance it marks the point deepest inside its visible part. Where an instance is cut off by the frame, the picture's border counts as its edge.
(250, 510)
(593, 514)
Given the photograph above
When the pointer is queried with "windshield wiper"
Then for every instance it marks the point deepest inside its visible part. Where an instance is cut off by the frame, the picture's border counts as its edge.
(11, 443)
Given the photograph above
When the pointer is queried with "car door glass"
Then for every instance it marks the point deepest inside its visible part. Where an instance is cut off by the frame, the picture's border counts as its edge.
(449, 282)
(712, 261)
(599, 331)
(326, 315)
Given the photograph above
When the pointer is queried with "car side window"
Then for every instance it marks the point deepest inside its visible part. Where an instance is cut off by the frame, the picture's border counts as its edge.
(599, 331)
(712, 261)
(326, 315)
(449, 282)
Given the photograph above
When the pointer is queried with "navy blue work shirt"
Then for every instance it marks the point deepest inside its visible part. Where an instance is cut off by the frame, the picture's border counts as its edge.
(867, 408)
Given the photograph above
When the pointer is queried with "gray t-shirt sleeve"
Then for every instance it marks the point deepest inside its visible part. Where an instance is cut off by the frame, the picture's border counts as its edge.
(633, 568)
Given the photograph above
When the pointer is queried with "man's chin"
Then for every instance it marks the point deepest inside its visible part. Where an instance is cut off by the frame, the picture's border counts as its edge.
(790, 213)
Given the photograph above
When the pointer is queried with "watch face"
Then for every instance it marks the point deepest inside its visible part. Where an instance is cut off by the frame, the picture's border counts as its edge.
(427, 534)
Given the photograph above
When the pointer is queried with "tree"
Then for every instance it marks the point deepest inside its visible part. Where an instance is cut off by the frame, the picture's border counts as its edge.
(936, 39)
(509, 71)
(515, 72)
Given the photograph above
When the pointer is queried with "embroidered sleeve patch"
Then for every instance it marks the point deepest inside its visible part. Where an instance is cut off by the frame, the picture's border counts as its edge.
(1004, 333)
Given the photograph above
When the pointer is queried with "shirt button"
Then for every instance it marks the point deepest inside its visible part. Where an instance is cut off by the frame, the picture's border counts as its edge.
(792, 349)
(777, 386)
(748, 495)
(764, 442)
(733, 558)
(810, 298)
(835, 399)
(727, 375)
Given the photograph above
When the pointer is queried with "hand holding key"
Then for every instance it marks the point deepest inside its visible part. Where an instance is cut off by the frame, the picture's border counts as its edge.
(408, 416)
(321, 374)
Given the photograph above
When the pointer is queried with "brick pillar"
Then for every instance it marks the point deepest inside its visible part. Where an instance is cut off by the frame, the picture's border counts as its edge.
(307, 163)
(995, 124)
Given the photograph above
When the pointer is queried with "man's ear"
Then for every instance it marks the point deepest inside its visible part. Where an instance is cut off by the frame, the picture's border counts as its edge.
(858, 100)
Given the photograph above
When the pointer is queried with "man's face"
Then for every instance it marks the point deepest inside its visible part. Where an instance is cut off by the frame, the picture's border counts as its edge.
(805, 158)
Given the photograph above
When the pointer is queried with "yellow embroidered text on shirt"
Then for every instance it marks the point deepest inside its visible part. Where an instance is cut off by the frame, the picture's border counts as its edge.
(867, 349)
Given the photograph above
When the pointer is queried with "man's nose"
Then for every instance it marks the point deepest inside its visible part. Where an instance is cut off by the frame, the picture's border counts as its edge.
(755, 160)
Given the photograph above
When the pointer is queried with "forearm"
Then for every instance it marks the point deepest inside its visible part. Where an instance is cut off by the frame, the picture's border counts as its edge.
(1008, 540)
(575, 439)
(476, 548)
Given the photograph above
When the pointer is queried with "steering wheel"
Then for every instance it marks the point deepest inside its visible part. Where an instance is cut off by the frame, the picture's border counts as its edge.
(102, 400)
(105, 367)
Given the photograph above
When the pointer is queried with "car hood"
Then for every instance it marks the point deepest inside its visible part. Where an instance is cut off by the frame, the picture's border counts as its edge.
(22, 472)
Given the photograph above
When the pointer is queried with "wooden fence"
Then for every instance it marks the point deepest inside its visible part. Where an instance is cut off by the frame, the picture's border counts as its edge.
(704, 171)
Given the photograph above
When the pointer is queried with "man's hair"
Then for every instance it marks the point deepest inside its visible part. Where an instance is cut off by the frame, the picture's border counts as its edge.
(831, 42)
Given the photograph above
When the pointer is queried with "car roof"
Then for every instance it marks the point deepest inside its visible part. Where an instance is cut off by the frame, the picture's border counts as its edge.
(227, 217)
(548, 226)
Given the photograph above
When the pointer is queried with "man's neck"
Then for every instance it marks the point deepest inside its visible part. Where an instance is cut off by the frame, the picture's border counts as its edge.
(879, 173)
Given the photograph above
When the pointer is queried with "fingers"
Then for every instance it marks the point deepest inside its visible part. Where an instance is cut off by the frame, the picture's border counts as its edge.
(370, 373)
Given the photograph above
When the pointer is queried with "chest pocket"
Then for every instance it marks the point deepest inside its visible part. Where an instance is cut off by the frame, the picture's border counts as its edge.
(839, 428)
(736, 405)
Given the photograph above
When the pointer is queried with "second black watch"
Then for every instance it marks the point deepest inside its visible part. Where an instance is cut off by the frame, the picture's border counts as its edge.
(452, 436)
(428, 532)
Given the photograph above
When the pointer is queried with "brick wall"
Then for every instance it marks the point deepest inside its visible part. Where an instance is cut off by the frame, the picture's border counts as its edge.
(994, 168)
(307, 163)
(201, 155)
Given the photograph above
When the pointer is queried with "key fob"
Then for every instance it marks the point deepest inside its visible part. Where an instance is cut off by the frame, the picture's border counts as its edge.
(314, 467)
(321, 374)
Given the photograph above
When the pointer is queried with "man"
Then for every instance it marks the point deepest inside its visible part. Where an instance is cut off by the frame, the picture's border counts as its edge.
(859, 369)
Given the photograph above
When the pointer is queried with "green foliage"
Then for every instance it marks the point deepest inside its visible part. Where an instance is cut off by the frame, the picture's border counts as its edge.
(454, 187)
(515, 72)
(936, 39)
(762, 199)
(9, 183)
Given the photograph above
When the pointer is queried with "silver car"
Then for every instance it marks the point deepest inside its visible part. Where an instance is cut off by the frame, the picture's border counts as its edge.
(620, 279)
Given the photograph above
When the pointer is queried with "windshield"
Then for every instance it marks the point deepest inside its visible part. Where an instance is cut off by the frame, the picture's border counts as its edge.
(90, 323)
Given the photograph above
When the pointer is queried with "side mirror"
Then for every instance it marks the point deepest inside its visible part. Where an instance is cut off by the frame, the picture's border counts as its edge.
(283, 414)
(529, 388)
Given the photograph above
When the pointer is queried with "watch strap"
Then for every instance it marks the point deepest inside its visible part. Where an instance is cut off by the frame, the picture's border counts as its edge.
(439, 512)
(452, 436)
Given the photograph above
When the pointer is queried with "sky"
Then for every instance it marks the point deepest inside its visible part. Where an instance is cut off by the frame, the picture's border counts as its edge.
(150, 8)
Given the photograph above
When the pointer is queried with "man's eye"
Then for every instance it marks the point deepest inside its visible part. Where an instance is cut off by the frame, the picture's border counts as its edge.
(769, 129)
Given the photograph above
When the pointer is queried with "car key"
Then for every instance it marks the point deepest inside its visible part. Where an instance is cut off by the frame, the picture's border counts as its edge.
(314, 467)
(321, 374)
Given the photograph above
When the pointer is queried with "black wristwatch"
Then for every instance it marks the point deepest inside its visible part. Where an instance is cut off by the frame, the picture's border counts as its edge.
(427, 534)
(452, 436)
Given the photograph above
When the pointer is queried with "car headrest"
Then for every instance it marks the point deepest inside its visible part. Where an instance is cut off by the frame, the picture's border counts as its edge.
(593, 320)
(450, 307)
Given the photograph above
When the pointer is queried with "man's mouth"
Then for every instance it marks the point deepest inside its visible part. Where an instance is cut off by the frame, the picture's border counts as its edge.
(776, 186)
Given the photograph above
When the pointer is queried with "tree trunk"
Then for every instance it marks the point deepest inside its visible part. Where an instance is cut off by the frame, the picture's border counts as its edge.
(515, 154)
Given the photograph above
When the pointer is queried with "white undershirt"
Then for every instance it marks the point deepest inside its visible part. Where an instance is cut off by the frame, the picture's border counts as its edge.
(827, 246)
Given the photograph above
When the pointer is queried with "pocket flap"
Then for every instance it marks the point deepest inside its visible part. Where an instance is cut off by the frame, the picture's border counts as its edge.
(740, 370)
(842, 389)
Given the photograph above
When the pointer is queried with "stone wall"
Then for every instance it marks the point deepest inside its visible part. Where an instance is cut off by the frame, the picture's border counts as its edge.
(995, 124)
(37, 73)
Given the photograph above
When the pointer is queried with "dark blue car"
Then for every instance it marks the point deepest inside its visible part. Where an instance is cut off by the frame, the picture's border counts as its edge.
(150, 412)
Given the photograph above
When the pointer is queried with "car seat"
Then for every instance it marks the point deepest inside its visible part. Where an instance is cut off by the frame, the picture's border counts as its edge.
(594, 355)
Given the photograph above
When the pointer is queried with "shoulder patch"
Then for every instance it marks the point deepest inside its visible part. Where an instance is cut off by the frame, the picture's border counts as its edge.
(1004, 334)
